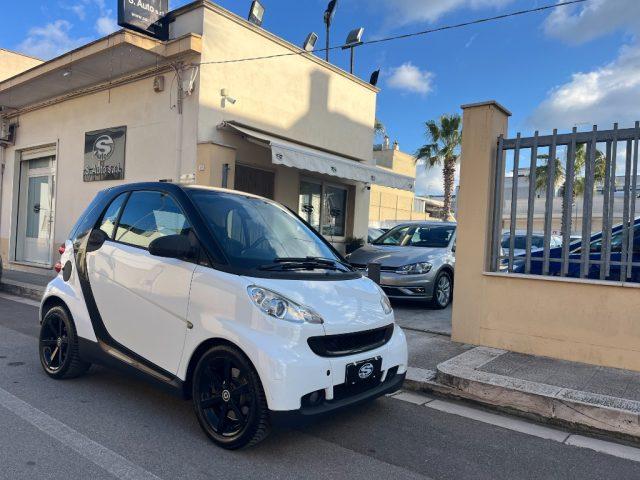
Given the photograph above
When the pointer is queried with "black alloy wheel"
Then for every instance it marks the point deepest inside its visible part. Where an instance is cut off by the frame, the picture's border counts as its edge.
(229, 399)
(58, 346)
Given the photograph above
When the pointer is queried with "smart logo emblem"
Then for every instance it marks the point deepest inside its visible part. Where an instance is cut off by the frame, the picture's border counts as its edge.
(103, 147)
(365, 371)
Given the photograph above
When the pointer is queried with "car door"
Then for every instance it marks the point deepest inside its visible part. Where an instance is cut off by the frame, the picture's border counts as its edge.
(142, 299)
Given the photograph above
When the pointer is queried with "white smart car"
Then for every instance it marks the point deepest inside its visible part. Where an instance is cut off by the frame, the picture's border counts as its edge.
(227, 297)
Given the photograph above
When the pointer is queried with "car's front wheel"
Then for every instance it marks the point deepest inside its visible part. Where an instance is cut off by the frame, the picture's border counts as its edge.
(229, 400)
(58, 345)
(442, 290)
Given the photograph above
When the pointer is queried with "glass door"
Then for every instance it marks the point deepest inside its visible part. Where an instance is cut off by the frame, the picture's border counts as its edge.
(35, 211)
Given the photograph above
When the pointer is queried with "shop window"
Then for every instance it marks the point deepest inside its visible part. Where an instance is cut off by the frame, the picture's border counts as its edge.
(324, 207)
(150, 215)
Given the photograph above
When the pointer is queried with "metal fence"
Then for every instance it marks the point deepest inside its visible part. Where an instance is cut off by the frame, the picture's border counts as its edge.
(575, 166)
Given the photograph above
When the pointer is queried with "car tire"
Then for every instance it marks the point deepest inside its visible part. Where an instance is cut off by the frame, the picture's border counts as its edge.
(442, 291)
(229, 400)
(58, 346)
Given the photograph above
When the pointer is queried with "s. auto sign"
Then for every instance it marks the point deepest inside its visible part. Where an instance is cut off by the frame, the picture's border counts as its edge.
(104, 154)
(146, 16)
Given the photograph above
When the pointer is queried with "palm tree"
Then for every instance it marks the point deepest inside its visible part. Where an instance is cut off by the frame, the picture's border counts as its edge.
(443, 150)
(379, 129)
(578, 180)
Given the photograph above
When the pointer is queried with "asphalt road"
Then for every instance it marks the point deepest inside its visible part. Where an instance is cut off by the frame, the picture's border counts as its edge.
(106, 426)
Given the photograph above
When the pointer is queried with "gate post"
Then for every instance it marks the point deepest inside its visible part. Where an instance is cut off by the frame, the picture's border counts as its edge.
(482, 124)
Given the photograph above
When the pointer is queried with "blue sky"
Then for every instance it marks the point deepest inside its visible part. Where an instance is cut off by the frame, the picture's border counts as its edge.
(578, 65)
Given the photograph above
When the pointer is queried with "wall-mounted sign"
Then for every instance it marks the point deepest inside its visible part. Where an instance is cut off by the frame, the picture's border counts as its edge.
(104, 154)
(146, 16)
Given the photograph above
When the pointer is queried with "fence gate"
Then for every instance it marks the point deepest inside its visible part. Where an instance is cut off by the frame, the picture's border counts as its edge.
(569, 207)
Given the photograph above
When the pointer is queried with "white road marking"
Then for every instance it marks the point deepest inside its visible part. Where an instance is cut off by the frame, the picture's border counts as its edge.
(602, 446)
(522, 426)
(109, 460)
(14, 298)
(509, 423)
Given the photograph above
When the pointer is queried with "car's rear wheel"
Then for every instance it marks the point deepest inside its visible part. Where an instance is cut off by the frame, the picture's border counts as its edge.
(442, 290)
(58, 346)
(229, 400)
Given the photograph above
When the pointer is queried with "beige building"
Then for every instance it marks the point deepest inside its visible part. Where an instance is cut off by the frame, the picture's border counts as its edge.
(390, 206)
(13, 63)
(130, 108)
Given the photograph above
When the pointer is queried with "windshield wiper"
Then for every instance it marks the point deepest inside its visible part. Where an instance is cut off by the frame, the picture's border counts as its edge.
(304, 263)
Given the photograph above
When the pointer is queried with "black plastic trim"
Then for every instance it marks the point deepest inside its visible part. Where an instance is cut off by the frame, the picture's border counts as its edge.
(321, 345)
(293, 416)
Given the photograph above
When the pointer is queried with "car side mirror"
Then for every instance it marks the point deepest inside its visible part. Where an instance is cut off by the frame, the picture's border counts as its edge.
(453, 249)
(172, 246)
(96, 240)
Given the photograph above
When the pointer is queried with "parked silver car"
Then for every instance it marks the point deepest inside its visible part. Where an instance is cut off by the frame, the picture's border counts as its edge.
(417, 261)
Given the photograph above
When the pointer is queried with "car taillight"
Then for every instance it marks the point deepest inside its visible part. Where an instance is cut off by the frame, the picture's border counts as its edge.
(61, 249)
(58, 267)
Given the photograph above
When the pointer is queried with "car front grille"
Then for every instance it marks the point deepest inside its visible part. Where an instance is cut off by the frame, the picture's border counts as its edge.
(360, 266)
(350, 343)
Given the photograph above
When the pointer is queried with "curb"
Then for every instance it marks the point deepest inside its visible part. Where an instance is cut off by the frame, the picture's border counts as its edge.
(577, 410)
(21, 289)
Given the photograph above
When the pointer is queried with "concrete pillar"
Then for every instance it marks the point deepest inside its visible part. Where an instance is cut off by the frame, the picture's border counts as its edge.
(482, 124)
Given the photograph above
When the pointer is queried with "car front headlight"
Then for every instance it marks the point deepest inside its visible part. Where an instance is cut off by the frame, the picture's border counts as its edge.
(278, 306)
(415, 268)
(386, 304)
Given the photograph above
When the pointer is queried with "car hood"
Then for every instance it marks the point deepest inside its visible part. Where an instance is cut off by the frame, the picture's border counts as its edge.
(345, 305)
(393, 256)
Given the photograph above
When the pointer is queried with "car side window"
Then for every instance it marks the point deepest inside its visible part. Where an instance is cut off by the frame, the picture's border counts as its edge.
(150, 215)
(110, 217)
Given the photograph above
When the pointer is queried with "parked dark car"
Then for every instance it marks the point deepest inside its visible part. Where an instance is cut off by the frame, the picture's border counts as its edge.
(595, 255)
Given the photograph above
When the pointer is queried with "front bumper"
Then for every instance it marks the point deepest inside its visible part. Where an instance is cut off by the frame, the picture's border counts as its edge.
(407, 286)
(288, 381)
(390, 385)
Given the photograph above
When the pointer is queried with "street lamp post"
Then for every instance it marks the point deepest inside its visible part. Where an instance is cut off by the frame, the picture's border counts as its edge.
(329, 13)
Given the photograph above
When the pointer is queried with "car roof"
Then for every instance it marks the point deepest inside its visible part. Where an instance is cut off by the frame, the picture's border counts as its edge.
(181, 186)
(426, 224)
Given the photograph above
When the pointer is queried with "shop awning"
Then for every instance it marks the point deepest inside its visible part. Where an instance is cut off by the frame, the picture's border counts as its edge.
(292, 154)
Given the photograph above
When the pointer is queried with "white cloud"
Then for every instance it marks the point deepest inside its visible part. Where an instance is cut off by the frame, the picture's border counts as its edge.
(404, 12)
(607, 93)
(410, 78)
(579, 24)
(429, 180)
(51, 40)
(106, 25)
(601, 96)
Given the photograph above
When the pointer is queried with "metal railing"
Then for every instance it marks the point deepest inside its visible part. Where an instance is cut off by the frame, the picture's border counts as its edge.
(579, 167)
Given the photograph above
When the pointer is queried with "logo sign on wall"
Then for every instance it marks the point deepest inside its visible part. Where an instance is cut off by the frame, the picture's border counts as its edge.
(146, 16)
(104, 154)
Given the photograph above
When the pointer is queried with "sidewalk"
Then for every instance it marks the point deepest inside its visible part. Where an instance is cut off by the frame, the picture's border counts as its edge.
(578, 396)
(29, 285)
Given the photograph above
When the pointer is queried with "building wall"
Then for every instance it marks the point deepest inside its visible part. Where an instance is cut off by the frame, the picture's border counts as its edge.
(12, 63)
(584, 321)
(389, 205)
(299, 97)
(153, 145)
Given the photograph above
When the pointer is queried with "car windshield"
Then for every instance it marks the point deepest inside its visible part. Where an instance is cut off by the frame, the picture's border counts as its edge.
(256, 234)
(429, 236)
(520, 242)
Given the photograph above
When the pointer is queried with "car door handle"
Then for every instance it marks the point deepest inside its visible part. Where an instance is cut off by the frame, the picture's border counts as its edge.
(36, 208)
